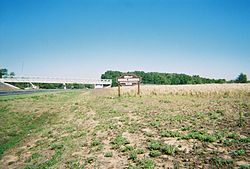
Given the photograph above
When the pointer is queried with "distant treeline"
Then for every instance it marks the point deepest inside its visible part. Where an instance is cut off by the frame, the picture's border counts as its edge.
(162, 78)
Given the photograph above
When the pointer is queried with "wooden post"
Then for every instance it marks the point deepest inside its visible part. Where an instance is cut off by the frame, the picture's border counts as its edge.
(119, 90)
(138, 88)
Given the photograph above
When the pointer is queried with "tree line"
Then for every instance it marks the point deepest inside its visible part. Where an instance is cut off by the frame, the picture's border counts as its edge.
(169, 78)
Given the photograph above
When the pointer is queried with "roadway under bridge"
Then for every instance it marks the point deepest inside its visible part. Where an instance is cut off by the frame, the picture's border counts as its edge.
(98, 83)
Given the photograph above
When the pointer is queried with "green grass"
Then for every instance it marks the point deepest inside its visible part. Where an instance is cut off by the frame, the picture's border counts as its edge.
(17, 125)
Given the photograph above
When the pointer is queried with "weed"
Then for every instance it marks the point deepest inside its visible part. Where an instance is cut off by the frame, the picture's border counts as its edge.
(118, 141)
(154, 153)
(220, 162)
(176, 164)
(164, 148)
(127, 148)
(33, 156)
(132, 156)
(200, 136)
(245, 139)
(169, 149)
(155, 123)
(247, 114)
(52, 160)
(56, 146)
(241, 119)
(239, 152)
(185, 128)
(90, 159)
(232, 135)
(145, 163)
(74, 164)
(95, 142)
(108, 154)
(154, 145)
(139, 151)
(244, 166)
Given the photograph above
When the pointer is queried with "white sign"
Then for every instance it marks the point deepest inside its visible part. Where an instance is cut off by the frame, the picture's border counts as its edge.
(128, 80)
(124, 80)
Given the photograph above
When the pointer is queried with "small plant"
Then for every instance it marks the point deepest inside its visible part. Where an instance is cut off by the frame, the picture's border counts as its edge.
(185, 128)
(154, 145)
(239, 152)
(154, 153)
(132, 156)
(244, 166)
(139, 151)
(108, 154)
(90, 159)
(220, 162)
(247, 114)
(95, 142)
(241, 119)
(200, 136)
(167, 133)
(245, 139)
(56, 146)
(127, 148)
(155, 123)
(145, 163)
(169, 149)
(118, 141)
(232, 135)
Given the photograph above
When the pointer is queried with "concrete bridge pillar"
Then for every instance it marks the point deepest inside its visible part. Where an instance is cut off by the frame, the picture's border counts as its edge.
(64, 86)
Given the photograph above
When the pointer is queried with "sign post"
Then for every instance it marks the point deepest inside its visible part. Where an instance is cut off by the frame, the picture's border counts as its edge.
(128, 80)
(119, 90)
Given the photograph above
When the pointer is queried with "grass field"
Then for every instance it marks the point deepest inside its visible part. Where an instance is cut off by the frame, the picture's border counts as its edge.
(192, 126)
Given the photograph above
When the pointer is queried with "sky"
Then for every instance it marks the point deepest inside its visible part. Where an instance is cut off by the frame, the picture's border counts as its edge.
(84, 38)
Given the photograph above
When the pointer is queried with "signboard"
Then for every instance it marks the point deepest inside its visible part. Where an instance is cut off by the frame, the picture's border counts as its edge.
(128, 80)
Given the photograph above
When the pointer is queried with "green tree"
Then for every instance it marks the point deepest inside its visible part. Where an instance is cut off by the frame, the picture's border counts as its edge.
(3, 72)
(12, 74)
(242, 78)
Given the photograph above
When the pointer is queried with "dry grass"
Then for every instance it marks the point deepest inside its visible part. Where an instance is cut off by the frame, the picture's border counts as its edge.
(186, 126)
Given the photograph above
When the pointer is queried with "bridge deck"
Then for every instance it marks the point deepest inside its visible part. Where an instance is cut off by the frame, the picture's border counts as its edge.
(55, 80)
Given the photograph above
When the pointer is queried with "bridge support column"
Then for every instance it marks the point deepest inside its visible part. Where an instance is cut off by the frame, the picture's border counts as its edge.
(33, 86)
(98, 86)
(64, 86)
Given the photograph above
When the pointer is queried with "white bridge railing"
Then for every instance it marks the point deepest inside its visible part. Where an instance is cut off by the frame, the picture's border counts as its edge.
(56, 80)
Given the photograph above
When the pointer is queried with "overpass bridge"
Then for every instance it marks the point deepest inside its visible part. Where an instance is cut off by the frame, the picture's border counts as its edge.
(99, 83)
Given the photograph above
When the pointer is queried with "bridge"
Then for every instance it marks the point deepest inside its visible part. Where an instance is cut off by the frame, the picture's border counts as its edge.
(98, 83)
